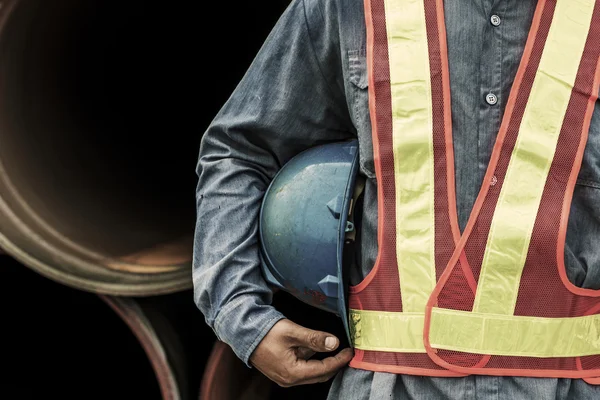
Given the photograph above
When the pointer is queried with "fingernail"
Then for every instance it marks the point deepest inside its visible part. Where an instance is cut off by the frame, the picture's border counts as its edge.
(330, 343)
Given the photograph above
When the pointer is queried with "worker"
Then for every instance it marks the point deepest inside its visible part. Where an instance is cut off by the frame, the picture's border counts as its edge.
(477, 124)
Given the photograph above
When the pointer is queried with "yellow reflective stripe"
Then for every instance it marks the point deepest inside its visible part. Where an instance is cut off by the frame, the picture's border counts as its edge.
(511, 335)
(517, 207)
(412, 124)
(387, 331)
(412, 141)
(476, 333)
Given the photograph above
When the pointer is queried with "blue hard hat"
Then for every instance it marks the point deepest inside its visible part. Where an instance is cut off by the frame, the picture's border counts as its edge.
(305, 222)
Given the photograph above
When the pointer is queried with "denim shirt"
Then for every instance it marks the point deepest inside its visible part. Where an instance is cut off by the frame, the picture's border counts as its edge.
(308, 85)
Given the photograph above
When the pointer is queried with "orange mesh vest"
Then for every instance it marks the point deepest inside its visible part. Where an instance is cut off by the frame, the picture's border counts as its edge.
(494, 300)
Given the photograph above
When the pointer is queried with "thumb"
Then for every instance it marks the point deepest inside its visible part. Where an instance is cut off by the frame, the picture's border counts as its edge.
(315, 340)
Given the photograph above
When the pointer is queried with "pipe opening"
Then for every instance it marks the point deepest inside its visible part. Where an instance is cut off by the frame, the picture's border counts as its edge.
(97, 150)
(91, 138)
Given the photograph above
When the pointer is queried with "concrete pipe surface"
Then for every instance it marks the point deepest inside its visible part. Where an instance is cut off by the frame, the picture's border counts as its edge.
(102, 108)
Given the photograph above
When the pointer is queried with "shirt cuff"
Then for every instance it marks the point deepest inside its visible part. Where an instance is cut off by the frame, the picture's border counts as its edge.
(243, 323)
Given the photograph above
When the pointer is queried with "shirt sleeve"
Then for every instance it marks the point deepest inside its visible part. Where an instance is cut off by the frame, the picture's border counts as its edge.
(290, 98)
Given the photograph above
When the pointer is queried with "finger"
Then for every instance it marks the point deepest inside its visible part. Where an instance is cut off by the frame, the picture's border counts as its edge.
(315, 370)
(304, 352)
(315, 340)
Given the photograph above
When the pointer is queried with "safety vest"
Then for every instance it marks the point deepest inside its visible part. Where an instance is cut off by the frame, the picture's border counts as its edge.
(494, 300)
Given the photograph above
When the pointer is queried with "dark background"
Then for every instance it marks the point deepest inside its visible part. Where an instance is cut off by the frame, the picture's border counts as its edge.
(162, 69)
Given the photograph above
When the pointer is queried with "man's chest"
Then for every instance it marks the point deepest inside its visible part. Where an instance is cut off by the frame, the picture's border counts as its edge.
(485, 43)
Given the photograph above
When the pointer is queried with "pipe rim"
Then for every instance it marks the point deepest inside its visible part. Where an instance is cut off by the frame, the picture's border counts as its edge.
(24, 237)
(135, 319)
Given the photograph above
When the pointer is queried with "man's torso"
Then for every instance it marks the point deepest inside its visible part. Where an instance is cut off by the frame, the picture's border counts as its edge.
(483, 60)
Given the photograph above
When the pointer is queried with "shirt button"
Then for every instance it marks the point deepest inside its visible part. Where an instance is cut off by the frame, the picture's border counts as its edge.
(491, 99)
(495, 20)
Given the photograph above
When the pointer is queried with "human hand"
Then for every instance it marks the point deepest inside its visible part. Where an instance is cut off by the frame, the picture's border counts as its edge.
(283, 355)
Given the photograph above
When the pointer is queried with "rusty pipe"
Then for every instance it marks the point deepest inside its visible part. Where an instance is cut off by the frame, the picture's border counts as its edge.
(102, 108)
(155, 334)
(70, 341)
(227, 378)
(174, 336)
(78, 347)
(96, 156)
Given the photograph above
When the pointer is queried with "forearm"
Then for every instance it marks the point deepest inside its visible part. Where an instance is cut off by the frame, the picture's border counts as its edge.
(229, 288)
(284, 104)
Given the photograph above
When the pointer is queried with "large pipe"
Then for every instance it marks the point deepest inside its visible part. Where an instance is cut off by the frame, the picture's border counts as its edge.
(102, 107)
(151, 334)
(66, 343)
(58, 342)
(177, 343)
(227, 378)
(96, 153)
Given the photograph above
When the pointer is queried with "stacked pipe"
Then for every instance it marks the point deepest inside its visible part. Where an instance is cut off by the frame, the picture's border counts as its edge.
(102, 108)
(60, 342)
